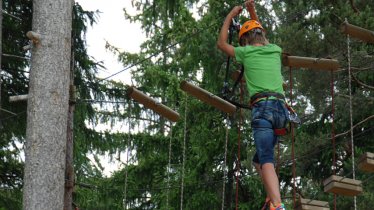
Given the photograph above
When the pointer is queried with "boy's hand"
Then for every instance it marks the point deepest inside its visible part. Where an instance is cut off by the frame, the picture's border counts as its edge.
(236, 11)
(249, 4)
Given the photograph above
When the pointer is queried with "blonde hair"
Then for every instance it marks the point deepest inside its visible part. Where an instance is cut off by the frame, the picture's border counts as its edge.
(253, 37)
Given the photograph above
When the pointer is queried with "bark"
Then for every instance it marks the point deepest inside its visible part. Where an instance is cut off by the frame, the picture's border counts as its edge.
(1, 52)
(48, 106)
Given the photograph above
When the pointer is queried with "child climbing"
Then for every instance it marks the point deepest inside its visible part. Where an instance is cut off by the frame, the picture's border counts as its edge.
(262, 71)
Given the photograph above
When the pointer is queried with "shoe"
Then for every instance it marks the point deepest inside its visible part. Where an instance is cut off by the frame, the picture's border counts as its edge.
(266, 204)
(278, 207)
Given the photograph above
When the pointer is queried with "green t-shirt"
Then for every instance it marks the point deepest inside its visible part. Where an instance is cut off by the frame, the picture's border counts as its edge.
(262, 68)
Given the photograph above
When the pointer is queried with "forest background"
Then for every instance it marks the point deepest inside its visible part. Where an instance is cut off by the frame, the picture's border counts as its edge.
(174, 165)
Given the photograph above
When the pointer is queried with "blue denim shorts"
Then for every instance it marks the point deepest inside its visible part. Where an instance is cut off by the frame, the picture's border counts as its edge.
(267, 115)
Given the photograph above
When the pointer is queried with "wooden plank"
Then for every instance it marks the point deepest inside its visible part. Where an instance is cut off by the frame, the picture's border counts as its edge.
(152, 104)
(343, 188)
(308, 204)
(208, 97)
(366, 162)
(357, 32)
(340, 179)
(366, 165)
(311, 63)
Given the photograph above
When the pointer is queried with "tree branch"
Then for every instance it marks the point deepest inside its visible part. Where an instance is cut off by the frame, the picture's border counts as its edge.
(353, 127)
(354, 7)
(361, 83)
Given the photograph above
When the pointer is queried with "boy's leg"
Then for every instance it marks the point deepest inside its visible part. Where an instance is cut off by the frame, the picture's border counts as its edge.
(271, 182)
(265, 141)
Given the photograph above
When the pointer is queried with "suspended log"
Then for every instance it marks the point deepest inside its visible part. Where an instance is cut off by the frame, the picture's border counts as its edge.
(357, 32)
(342, 186)
(152, 104)
(307, 204)
(310, 63)
(366, 162)
(208, 97)
(18, 98)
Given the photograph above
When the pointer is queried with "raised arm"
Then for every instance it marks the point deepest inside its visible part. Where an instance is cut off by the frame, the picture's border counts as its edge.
(223, 35)
(250, 6)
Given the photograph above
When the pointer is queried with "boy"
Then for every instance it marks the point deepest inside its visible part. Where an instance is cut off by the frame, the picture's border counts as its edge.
(262, 71)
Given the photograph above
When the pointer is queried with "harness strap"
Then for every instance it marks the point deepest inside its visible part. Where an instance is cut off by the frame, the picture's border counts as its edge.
(292, 116)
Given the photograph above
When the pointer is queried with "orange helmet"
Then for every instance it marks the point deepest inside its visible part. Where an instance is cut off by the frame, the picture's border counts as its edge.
(249, 25)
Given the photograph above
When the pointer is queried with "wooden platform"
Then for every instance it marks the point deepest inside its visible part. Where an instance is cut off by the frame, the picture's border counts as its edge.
(342, 186)
(366, 162)
(308, 204)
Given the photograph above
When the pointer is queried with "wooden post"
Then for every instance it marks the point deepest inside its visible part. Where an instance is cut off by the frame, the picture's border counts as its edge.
(47, 106)
(152, 104)
(208, 97)
(311, 63)
(357, 32)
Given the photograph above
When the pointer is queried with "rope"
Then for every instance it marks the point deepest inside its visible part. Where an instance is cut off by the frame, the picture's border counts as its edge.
(224, 164)
(169, 168)
(238, 165)
(184, 152)
(333, 129)
(127, 161)
(293, 147)
(351, 112)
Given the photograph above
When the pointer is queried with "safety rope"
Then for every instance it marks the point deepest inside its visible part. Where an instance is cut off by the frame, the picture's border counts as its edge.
(127, 159)
(238, 165)
(184, 152)
(293, 146)
(169, 167)
(224, 164)
(333, 130)
(351, 112)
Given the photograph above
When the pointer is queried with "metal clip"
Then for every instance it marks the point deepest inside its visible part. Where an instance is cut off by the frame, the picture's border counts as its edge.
(294, 118)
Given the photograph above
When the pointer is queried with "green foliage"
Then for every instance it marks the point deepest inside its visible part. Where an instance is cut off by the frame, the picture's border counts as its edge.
(183, 47)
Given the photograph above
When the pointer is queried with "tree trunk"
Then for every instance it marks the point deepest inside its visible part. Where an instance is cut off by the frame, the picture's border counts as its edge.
(1, 52)
(48, 106)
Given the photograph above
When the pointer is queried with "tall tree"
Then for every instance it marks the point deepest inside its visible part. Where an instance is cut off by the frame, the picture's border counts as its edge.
(48, 106)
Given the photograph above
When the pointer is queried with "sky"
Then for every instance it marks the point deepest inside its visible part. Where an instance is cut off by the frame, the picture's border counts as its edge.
(112, 27)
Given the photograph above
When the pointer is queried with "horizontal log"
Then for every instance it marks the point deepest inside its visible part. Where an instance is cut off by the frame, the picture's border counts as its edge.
(357, 32)
(208, 97)
(18, 98)
(153, 104)
(311, 63)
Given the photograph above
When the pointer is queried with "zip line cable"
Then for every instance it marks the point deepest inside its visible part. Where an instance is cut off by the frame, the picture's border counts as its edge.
(187, 37)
